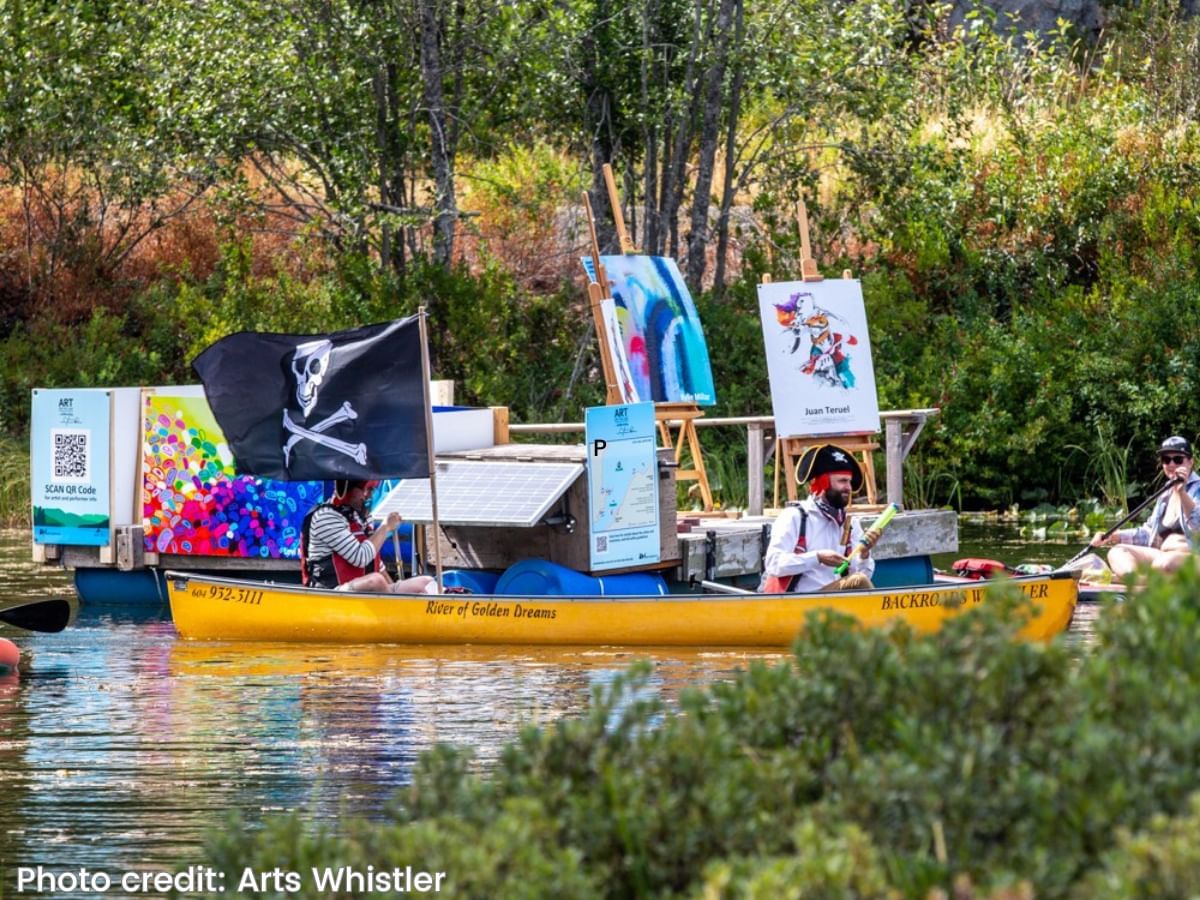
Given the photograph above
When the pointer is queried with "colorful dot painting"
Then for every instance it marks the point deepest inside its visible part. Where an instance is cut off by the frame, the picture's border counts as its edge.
(194, 503)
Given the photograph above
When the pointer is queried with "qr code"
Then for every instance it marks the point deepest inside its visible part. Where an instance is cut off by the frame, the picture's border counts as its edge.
(602, 543)
(72, 461)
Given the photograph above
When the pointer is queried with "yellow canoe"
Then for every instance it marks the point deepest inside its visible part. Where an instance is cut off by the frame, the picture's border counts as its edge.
(225, 609)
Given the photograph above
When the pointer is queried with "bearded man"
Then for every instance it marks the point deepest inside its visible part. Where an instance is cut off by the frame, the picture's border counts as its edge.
(813, 537)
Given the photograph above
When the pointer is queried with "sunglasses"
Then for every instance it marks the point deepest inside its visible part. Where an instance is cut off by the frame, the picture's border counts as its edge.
(1175, 460)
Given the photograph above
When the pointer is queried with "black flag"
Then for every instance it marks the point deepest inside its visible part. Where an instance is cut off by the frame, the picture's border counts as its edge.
(312, 407)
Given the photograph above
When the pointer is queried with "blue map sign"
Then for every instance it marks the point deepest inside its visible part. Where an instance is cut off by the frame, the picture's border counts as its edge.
(622, 465)
(69, 466)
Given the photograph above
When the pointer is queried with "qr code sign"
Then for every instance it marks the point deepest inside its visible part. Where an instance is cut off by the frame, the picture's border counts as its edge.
(602, 543)
(72, 459)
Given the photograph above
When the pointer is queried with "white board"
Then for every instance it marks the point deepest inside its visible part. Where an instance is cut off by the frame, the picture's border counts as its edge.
(818, 357)
(126, 455)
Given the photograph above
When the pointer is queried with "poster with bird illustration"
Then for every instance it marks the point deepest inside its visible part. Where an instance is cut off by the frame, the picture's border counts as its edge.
(818, 357)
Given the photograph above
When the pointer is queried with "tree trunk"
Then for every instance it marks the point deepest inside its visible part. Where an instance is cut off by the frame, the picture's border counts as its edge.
(650, 215)
(631, 217)
(442, 146)
(735, 110)
(598, 121)
(391, 166)
(711, 114)
(675, 171)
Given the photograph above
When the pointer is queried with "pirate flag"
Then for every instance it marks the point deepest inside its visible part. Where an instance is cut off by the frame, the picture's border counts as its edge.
(314, 407)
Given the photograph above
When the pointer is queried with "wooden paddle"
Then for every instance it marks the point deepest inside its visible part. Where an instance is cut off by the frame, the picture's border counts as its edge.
(50, 615)
(1166, 487)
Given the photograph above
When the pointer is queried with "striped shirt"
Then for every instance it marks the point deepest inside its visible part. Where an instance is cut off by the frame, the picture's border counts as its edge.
(330, 533)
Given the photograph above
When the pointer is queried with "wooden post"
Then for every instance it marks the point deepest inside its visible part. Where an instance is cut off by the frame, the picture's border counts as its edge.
(614, 200)
(808, 266)
(430, 458)
(597, 293)
(500, 433)
(895, 462)
(754, 477)
(778, 470)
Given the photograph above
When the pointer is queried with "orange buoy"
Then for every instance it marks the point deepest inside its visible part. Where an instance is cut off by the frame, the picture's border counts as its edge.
(9, 656)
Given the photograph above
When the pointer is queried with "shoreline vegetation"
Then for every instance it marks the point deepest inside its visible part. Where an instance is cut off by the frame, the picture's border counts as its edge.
(1023, 211)
(871, 764)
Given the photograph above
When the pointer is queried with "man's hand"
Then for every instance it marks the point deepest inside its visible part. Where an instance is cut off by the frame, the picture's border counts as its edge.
(1099, 540)
(830, 558)
(392, 522)
(869, 540)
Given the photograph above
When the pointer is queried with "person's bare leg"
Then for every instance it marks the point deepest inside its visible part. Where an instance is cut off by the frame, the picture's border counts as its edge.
(1172, 561)
(1123, 559)
(1175, 542)
(418, 584)
(371, 583)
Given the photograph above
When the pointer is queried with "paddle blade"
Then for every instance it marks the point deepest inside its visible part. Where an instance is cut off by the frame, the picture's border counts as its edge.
(50, 615)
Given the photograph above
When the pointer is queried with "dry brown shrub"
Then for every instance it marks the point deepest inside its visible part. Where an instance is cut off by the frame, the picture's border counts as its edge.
(64, 251)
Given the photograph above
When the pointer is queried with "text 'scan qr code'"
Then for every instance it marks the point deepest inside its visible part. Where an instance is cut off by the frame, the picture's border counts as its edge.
(602, 543)
(72, 459)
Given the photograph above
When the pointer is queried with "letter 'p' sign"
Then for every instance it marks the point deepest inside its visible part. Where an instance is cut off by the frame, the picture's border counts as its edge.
(598, 445)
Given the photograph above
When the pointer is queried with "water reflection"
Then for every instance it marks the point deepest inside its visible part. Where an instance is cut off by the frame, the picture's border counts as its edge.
(1003, 541)
(120, 744)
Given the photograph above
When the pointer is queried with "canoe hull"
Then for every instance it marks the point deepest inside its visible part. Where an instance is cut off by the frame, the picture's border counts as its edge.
(225, 609)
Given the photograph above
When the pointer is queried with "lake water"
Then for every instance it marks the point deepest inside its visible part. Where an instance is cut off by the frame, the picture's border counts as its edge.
(120, 745)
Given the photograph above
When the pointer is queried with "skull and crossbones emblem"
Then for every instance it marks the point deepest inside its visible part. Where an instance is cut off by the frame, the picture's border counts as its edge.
(310, 364)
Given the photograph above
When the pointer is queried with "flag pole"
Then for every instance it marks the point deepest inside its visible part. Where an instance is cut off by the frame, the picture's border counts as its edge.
(433, 504)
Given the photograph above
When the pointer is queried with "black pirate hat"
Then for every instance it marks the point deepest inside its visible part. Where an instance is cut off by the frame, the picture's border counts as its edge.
(825, 458)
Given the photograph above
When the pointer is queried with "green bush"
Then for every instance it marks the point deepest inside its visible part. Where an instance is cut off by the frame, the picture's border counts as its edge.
(870, 764)
(1162, 861)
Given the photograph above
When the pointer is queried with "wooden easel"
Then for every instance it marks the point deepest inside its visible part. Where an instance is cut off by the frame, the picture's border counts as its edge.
(598, 292)
(789, 450)
(666, 414)
(685, 414)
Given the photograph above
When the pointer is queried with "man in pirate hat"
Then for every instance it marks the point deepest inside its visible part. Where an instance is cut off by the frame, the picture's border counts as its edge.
(339, 548)
(813, 537)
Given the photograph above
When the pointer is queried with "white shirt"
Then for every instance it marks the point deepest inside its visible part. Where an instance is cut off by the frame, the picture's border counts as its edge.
(822, 533)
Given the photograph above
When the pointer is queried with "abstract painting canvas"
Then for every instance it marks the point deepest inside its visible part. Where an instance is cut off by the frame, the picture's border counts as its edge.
(660, 330)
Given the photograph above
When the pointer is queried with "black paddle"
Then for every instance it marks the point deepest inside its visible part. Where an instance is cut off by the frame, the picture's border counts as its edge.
(50, 615)
(1166, 487)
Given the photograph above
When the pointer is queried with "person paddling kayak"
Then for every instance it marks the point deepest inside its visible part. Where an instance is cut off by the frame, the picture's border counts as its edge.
(1167, 539)
(339, 548)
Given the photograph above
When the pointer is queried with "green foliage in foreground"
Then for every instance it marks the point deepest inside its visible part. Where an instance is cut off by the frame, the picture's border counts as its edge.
(871, 765)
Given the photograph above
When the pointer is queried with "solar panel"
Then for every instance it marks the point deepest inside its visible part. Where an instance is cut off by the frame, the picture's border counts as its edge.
(482, 493)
